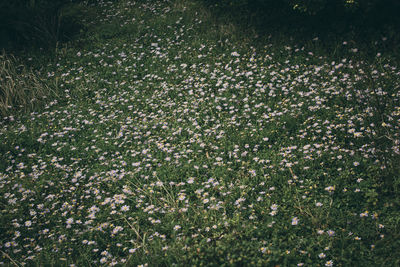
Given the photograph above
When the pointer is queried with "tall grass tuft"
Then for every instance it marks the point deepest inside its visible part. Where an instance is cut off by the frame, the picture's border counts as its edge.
(21, 89)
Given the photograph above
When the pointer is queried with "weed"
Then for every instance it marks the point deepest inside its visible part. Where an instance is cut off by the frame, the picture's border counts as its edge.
(176, 140)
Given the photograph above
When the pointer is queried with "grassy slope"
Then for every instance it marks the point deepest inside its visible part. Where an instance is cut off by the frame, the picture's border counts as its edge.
(177, 142)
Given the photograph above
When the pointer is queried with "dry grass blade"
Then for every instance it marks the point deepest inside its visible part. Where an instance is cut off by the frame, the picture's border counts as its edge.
(11, 260)
(20, 88)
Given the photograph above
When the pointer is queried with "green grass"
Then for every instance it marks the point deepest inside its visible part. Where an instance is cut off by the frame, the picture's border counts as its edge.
(176, 140)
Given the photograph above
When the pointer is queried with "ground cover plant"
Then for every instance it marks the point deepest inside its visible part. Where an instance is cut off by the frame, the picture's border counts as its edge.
(178, 141)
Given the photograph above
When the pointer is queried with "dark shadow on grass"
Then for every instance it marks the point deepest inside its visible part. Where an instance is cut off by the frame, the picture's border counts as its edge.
(26, 25)
(332, 25)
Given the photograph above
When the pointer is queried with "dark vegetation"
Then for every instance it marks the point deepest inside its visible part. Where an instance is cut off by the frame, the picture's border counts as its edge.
(332, 21)
(26, 24)
(31, 32)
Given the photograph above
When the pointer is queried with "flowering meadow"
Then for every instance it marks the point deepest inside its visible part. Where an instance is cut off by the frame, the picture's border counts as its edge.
(175, 141)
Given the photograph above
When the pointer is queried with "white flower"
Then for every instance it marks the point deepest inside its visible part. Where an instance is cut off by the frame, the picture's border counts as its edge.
(330, 189)
(125, 208)
(117, 229)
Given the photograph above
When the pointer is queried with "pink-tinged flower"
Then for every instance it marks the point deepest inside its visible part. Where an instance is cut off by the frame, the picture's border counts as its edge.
(125, 208)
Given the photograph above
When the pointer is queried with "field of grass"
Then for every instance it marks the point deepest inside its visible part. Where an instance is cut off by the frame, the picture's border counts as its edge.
(177, 141)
